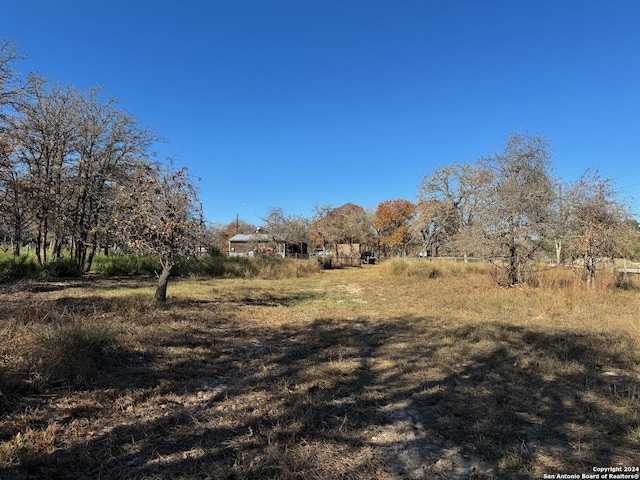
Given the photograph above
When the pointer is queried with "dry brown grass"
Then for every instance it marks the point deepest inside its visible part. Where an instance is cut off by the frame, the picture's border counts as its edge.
(381, 372)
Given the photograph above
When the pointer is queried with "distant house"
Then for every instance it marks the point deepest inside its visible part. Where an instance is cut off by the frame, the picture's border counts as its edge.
(261, 243)
(248, 245)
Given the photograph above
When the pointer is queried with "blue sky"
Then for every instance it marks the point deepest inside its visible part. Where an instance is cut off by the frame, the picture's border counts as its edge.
(293, 104)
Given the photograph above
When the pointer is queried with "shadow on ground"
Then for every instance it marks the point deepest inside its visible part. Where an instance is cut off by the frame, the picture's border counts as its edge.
(403, 398)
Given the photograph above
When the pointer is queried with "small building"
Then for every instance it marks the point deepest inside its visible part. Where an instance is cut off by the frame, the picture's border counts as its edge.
(296, 249)
(249, 245)
(261, 243)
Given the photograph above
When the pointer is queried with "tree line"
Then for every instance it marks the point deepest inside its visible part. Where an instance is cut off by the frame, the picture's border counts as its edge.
(508, 208)
(78, 174)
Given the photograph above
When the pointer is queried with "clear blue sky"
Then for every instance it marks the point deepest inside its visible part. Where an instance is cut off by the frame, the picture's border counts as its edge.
(293, 104)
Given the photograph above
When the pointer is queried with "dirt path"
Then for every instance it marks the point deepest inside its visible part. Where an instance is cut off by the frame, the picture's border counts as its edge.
(413, 454)
(411, 451)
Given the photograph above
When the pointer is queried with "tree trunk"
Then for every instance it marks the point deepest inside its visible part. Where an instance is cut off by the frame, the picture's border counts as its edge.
(38, 243)
(163, 281)
(88, 261)
(17, 237)
(43, 248)
(559, 252)
(56, 247)
(513, 265)
(590, 266)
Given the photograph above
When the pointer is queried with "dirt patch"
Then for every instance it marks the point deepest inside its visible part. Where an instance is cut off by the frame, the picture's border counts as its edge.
(415, 454)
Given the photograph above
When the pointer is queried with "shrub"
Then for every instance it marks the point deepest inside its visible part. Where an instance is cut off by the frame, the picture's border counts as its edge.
(239, 267)
(215, 266)
(398, 266)
(325, 262)
(271, 267)
(15, 268)
(553, 278)
(63, 267)
(125, 265)
(207, 265)
(26, 267)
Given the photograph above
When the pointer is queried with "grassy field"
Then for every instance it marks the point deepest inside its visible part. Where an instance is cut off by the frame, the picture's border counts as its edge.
(394, 371)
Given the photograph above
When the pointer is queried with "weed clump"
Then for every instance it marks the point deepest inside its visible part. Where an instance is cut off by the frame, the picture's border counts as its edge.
(23, 267)
(74, 352)
(275, 268)
(18, 450)
(63, 268)
(401, 267)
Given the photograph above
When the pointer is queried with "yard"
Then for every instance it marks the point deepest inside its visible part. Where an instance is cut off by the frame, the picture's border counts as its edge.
(391, 371)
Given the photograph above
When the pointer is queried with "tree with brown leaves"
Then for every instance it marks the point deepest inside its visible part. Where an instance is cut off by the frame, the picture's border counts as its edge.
(347, 224)
(391, 220)
(158, 214)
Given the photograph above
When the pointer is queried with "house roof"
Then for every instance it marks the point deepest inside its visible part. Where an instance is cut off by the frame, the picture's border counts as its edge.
(252, 237)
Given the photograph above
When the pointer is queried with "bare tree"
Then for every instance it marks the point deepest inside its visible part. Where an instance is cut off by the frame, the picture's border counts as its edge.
(43, 138)
(67, 159)
(159, 215)
(452, 200)
(517, 218)
(108, 145)
(11, 86)
(290, 230)
(559, 228)
(598, 222)
(500, 205)
(275, 224)
(65, 152)
(13, 210)
(13, 207)
(435, 226)
(324, 230)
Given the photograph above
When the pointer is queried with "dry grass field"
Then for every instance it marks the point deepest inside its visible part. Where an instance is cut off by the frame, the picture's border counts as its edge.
(403, 370)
